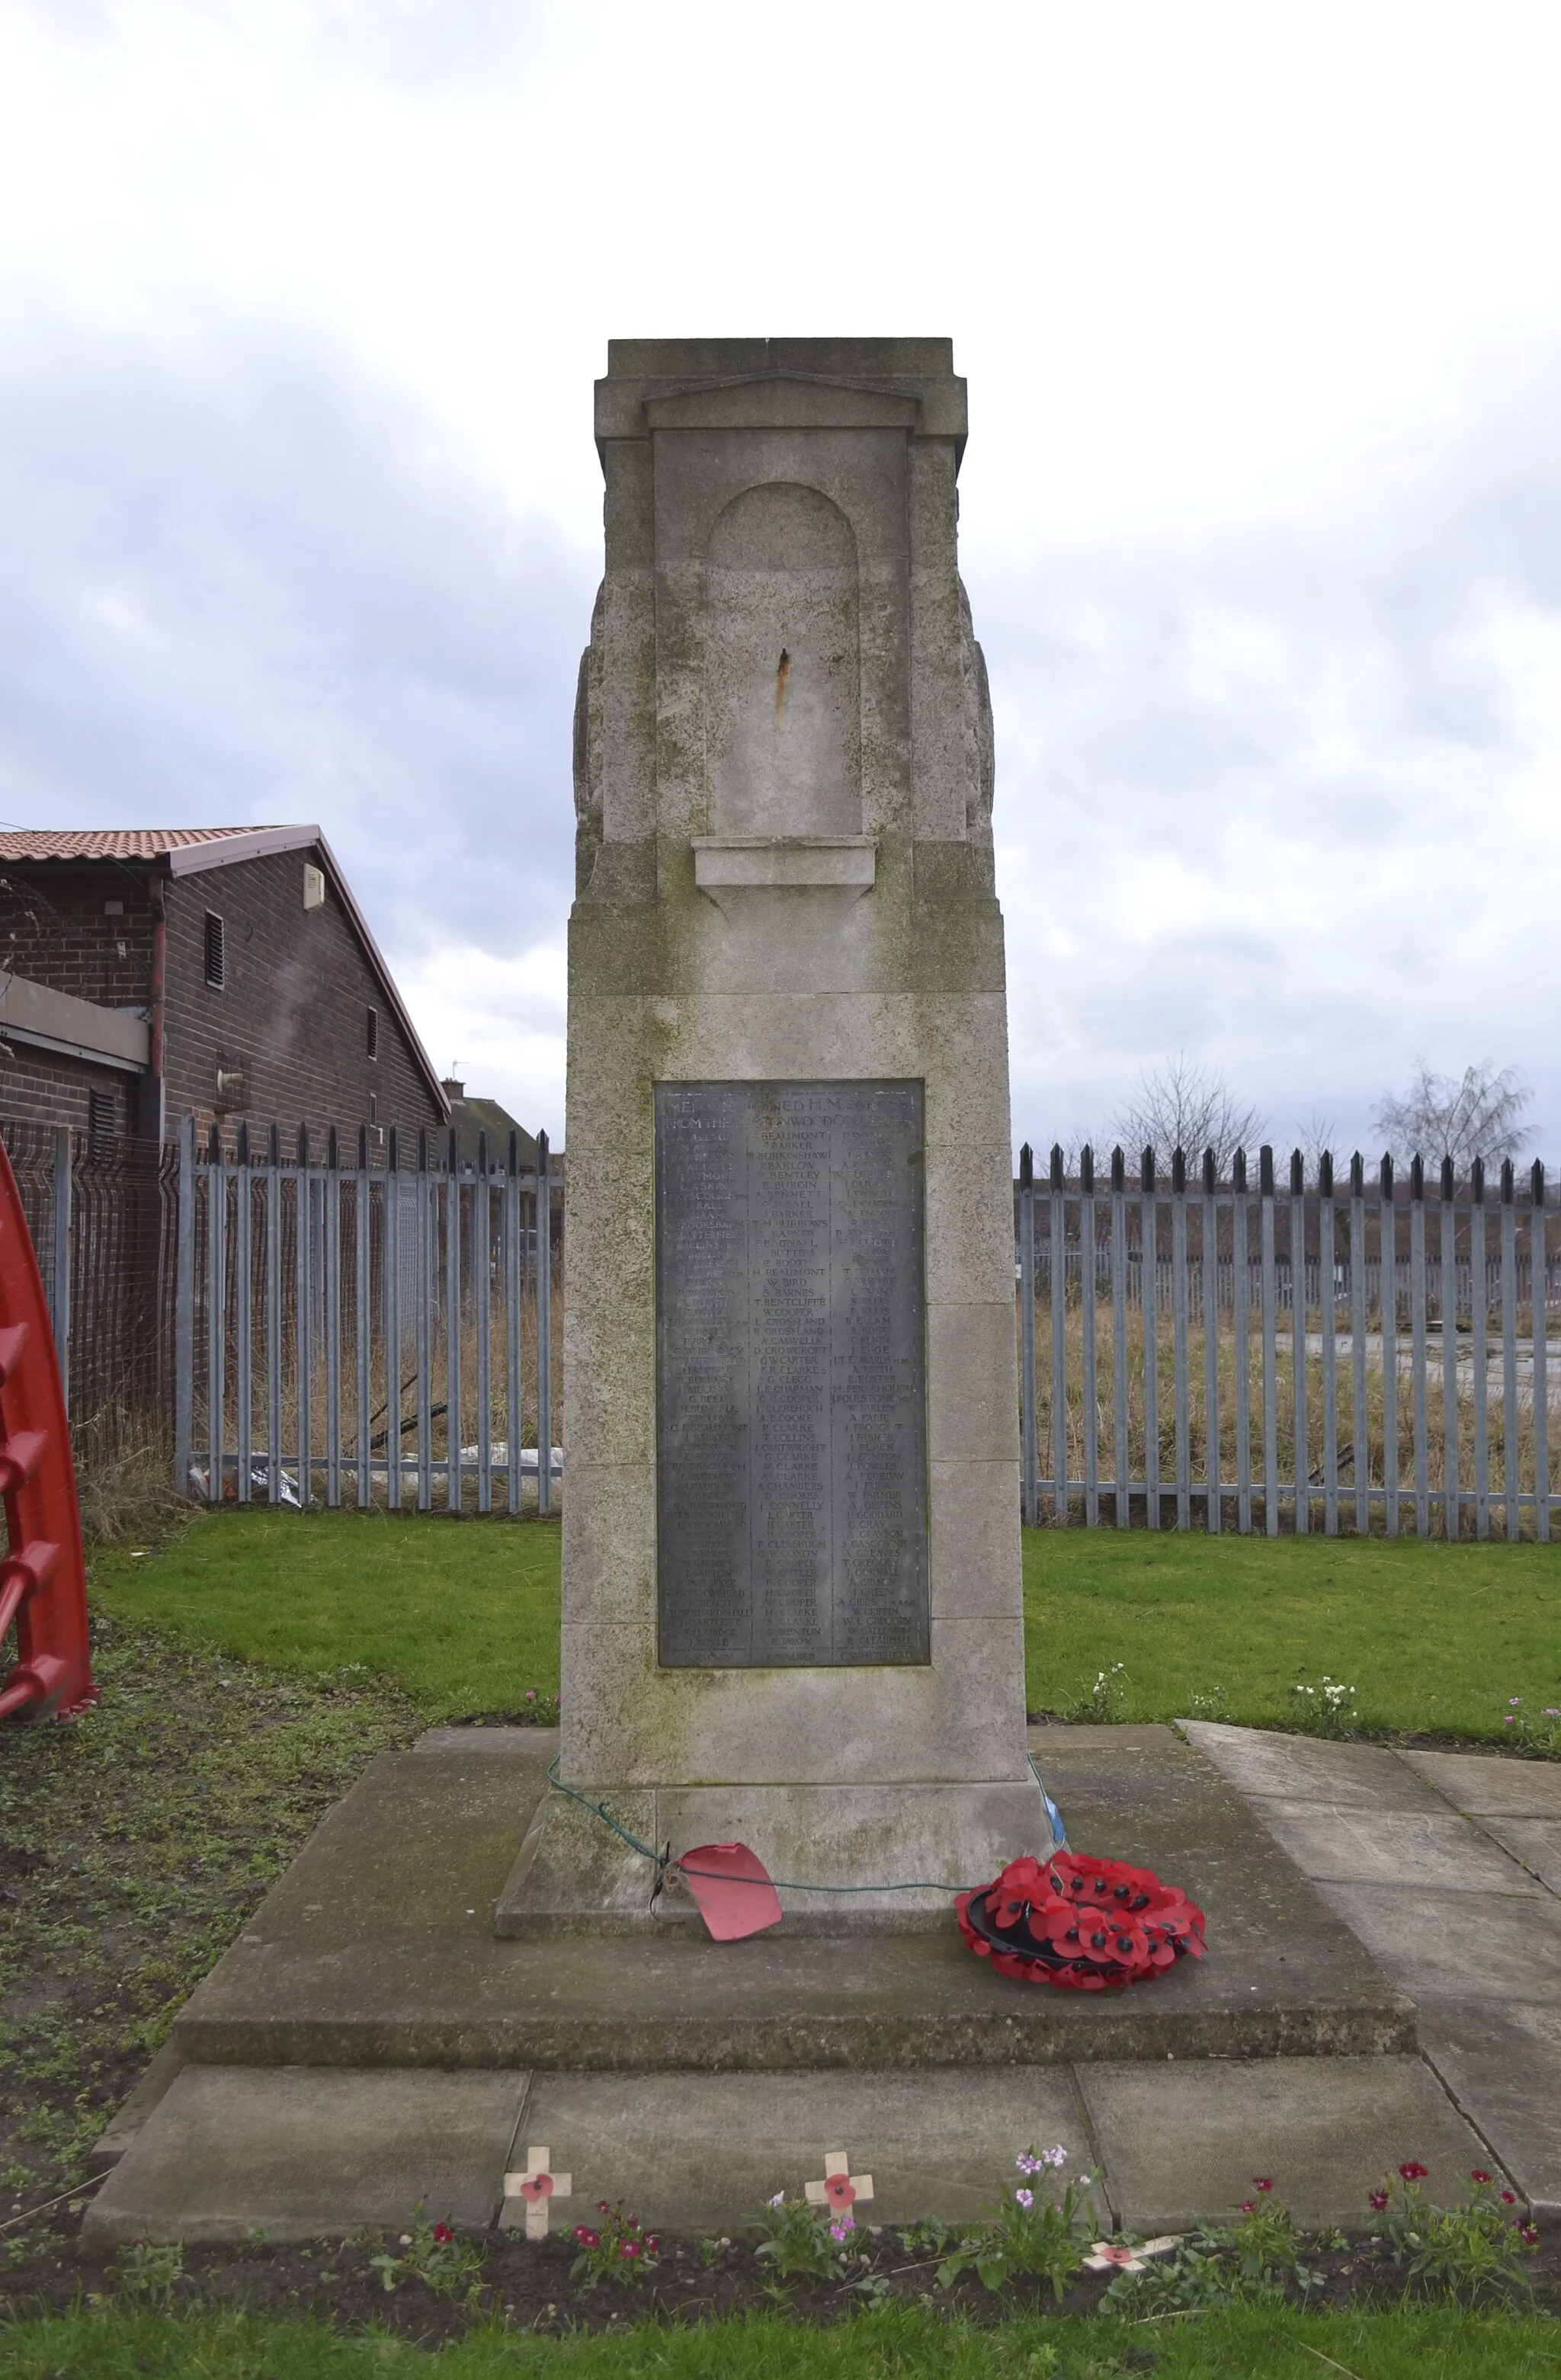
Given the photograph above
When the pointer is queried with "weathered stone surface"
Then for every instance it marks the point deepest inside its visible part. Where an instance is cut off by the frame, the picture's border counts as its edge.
(1398, 1846)
(305, 2154)
(1535, 1841)
(784, 787)
(1423, 1939)
(378, 1945)
(1501, 2060)
(1303, 1769)
(1180, 2142)
(1489, 1786)
(701, 2153)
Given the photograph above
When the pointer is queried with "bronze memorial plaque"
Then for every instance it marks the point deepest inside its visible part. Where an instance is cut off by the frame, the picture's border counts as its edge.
(791, 1471)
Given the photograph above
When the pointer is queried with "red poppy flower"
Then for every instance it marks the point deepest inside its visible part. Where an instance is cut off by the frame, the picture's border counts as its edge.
(1413, 2170)
(1379, 2201)
(839, 2189)
(535, 2187)
(443, 2234)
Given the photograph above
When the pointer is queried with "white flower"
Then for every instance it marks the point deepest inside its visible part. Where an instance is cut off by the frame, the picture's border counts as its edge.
(1055, 2157)
(779, 2198)
(1025, 2197)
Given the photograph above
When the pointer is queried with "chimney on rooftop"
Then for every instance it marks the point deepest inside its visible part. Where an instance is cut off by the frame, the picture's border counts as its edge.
(451, 1088)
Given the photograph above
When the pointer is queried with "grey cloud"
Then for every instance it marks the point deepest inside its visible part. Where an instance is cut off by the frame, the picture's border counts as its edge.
(247, 585)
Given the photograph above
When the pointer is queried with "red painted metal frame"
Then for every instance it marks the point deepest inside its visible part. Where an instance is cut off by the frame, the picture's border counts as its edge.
(42, 1576)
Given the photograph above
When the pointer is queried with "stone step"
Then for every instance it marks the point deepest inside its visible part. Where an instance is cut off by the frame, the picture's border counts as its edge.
(377, 1947)
(304, 2153)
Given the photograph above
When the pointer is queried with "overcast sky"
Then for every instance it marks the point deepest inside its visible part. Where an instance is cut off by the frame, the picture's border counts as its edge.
(300, 304)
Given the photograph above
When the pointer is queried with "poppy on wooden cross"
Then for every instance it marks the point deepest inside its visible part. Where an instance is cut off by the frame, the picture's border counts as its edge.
(537, 2186)
(840, 2187)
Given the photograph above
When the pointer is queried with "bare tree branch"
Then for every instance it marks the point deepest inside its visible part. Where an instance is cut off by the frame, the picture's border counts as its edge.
(1180, 1105)
(1476, 1114)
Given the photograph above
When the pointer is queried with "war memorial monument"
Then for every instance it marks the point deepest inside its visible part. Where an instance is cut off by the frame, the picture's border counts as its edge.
(791, 1587)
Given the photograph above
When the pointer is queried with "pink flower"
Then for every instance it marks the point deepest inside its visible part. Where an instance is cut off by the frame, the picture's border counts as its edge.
(603, 2206)
(1509, 2198)
(1258, 2184)
(586, 2237)
(1528, 2234)
(443, 2234)
(1379, 2201)
(1508, 1720)
(1478, 2173)
(1413, 2170)
(842, 2227)
(1025, 2197)
(628, 2248)
(651, 2243)
(1248, 2207)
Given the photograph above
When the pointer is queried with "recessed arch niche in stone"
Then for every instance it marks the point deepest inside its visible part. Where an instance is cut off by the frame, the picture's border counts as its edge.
(782, 657)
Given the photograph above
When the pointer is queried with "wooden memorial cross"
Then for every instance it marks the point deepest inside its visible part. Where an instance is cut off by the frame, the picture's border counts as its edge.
(840, 2187)
(536, 2186)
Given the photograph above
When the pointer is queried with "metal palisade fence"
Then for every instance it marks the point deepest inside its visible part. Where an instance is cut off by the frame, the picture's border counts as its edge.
(1329, 1354)
(365, 1331)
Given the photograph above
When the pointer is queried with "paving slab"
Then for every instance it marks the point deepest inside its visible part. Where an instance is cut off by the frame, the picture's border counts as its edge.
(1312, 1769)
(701, 2152)
(132, 2112)
(1435, 1946)
(1437, 1849)
(1488, 1786)
(535, 1744)
(376, 1948)
(1182, 2142)
(1535, 1841)
(1502, 2063)
(308, 2155)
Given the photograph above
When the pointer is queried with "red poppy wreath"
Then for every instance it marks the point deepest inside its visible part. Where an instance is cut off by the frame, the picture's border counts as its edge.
(1083, 1923)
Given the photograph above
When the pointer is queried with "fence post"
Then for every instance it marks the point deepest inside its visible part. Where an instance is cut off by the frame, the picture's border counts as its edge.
(184, 1309)
(390, 1323)
(1360, 1415)
(544, 1330)
(1301, 1431)
(1087, 1333)
(1479, 1317)
(1149, 1268)
(1387, 1246)
(1327, 1316)
(1417, 1341)
(1119, 1335)
(333, 1319)
(1268, 1286)
(481, 1275)
(1027, 1329)
(1178, 1334)
(243, 1318)
(512, 1323)
(1450, 1522)
(1537, 1285)
(1510, 1348)
(303, 1321)
(1242, 1300)
(1059, 1341)
(59, 1276)
(361, 1318)
(216, 1311)
(274, 1315)
(454, 1486)
(1212, 1341)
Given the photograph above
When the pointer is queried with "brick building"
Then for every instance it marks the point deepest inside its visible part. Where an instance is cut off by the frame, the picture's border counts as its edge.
(218, 972)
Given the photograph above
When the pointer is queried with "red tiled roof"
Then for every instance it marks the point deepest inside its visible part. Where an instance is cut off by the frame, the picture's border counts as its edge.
(112, 842)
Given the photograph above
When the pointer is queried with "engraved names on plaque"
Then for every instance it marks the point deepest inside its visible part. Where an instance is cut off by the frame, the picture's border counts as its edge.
(790, 1374)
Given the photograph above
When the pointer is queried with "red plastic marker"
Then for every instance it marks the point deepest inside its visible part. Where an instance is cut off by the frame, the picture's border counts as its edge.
(733, 1890)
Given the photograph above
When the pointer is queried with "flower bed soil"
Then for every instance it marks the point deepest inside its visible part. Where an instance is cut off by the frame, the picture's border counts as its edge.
(528, 2285)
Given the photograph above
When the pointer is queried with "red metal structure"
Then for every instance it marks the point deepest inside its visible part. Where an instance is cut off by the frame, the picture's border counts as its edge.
(42, 1576)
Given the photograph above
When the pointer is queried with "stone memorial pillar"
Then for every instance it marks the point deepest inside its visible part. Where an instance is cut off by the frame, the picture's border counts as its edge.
(791, 1519)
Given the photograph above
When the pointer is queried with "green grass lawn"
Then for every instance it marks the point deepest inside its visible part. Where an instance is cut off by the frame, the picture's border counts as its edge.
(462, 1616)
(1433, 1638)
(899, 2343)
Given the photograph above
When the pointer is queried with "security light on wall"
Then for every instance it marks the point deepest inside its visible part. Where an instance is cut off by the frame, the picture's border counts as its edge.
(313, 886)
